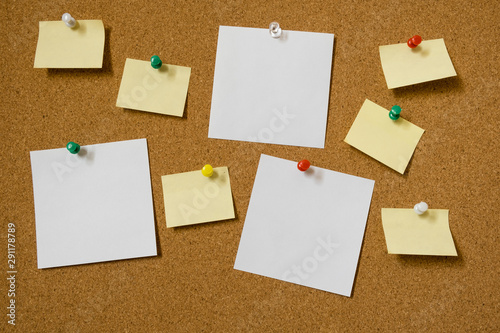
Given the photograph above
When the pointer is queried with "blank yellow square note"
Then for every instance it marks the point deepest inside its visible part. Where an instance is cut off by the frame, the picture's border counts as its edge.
(62, 47)
(391, 142)
(192, 198)
(162, 90)
(406, 232)
(404, 66)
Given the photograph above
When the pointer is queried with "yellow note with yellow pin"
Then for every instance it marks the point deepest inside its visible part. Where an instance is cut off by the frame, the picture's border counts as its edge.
(197, 197)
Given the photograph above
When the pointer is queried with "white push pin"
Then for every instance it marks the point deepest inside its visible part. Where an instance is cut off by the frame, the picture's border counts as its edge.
(420, 208)
(69, 20)
(275, 30)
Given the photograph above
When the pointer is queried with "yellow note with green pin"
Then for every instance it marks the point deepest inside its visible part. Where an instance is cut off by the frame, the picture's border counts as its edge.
(375, 127)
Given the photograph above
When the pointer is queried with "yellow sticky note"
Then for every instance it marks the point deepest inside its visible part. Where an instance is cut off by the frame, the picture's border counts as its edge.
(62, 47)
(391, 142)
(145, 88)
(406, 232)
(191, 198)
(404, 66)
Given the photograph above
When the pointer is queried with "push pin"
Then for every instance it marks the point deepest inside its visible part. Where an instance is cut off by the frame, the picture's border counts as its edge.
(68, 20)
(394, 113)
(207, 170)
(303, 165)
(73, 148)
(275, 30)
(420, 208)
(156, 62)
(414, 41)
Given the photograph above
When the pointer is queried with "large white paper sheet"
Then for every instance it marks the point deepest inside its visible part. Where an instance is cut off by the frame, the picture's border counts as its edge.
(94, 206)
(271, 90)
(305, 227)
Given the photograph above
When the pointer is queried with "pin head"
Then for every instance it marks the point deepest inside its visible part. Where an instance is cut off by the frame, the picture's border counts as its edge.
(394, 113)
(68, 20)
(73, 148)
(420, 208)
(414, 41)
(275, 30)
(303, 165)
(156, 62)
(207, 170)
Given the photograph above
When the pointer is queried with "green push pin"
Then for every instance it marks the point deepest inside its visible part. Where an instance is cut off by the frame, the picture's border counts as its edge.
(156, 62)
(73, 148)
(394, 113)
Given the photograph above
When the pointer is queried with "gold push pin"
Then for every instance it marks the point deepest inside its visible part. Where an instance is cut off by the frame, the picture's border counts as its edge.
(207, 170)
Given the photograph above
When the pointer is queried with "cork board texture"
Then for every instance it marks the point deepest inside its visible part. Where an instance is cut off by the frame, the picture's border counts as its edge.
(191, 285)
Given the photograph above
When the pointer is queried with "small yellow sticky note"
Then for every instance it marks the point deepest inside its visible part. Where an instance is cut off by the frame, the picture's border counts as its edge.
(145, 88)
(404, 66)
(191, 198)
(62, 47)
(406, 232)
(391, 142)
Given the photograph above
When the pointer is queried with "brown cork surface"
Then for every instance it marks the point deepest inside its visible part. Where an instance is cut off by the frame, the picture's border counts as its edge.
(192, 286)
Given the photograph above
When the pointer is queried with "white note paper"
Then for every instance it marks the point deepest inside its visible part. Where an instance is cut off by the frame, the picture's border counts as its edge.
(94, 206)
(305, 227)
(271, 90)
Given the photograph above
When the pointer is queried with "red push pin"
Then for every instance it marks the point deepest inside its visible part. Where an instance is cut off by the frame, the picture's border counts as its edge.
(303, 165)
(414, 41)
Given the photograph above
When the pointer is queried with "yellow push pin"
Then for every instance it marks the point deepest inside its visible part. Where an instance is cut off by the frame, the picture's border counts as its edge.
(207, 170)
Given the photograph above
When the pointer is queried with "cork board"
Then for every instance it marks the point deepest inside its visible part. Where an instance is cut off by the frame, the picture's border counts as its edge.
(192, 286)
